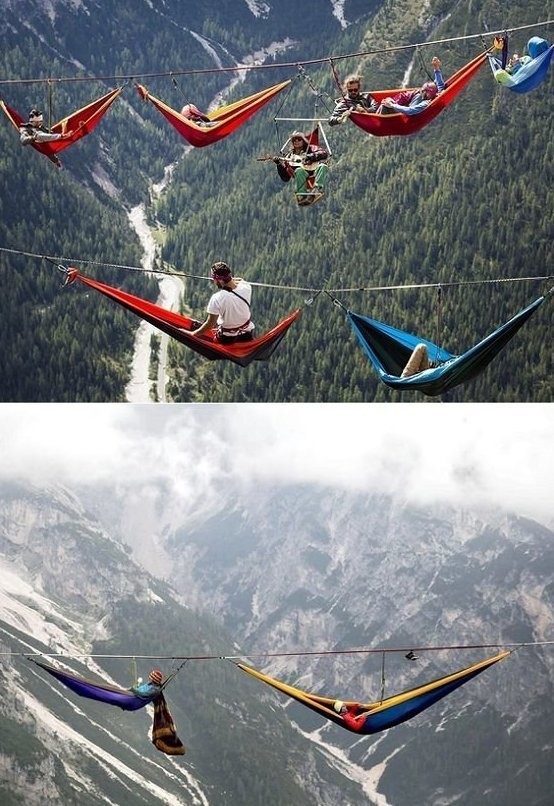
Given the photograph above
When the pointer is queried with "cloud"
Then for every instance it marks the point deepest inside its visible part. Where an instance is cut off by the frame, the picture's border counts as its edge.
(474, 454)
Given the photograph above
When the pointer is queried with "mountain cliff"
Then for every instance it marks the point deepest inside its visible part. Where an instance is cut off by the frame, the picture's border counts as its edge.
(305, 569)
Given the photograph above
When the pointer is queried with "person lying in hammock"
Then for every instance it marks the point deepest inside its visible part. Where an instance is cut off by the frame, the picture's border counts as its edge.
(152, 688)
(411, 102)
(352, 714)
(34, 130)
(191, 112)
(229, 308)
(302, 161)
(418, 361)
(353, 100)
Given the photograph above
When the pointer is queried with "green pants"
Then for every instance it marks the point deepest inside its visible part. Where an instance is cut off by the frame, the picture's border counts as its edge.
(301, 176)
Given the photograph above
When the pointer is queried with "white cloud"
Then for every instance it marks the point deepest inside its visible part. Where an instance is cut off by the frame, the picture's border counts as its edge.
(483, 454)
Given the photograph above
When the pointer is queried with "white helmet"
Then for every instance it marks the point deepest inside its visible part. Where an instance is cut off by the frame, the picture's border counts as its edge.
(338, 706)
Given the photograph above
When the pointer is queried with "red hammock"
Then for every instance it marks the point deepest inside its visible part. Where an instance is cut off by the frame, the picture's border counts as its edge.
(225, 119)
(78, 124)
(178, 327)
(401, 124)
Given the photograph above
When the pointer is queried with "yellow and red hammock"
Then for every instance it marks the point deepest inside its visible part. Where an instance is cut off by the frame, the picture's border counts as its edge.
(179, 327)
(76, 125)
(401, 124)
(224, 120)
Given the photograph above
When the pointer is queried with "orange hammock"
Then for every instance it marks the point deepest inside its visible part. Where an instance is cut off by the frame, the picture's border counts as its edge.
(401, 124)
(179, 327)
(76, 125)
(225, 119)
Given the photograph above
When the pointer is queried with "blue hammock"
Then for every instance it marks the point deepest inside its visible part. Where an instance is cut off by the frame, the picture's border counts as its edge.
(389, 349)
(123, 698)
(529, 75)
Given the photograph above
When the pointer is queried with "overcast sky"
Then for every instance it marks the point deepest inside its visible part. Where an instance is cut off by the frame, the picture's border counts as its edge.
(498, 454)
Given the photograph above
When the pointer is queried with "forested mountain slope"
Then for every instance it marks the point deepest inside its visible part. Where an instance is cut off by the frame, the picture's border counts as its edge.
(468, 198)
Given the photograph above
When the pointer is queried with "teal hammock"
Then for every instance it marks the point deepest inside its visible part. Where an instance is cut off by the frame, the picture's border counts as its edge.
(389, 349)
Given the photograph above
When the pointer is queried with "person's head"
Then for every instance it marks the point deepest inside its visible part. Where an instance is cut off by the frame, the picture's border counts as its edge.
(35, 117)
(220, 273)
(299, 141)
(352, 85)
(156, 677)
(191, 112)
(339, 706)
(429, 90)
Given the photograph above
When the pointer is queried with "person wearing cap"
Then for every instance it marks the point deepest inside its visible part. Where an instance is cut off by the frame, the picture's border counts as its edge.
(302, 161)
(352, 714)
(34, 130)
(353, 100)
(152, 688)
(228, 310)
(411, 102)
(192, 113)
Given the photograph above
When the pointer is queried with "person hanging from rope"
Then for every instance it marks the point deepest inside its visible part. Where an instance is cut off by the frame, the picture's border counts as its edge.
(306, 163)
(353, 100)
(411, 102)
(192, 113)
(229, 308)
(34, 131)
(352, 714)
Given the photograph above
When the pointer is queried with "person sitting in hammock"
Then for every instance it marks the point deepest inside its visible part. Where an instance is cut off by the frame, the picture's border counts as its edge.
(229, 308)
(152, 688)
(301, 162)
(411, 102)
(353, 100)
(191, 112)
(34, 130)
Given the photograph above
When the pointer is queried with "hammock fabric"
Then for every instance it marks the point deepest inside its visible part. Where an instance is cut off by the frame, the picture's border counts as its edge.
(178, 327)
(386, 713)
(164, 733)
(225, 119)
(529, 75)
(77, 125)
(102, 692)
(401, 124)
(389, 349)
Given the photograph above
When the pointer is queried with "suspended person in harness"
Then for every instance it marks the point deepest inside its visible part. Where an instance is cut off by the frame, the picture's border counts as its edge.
(229, 308)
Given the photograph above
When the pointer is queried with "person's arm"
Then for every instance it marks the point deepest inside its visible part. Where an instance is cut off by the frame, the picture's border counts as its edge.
(209, 323)
(340, 113)
(438, 77)
(282, 169)
(406, 110)
(316, 155)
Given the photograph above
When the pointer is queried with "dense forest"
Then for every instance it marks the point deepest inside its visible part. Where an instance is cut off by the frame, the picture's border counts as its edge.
(469, 198)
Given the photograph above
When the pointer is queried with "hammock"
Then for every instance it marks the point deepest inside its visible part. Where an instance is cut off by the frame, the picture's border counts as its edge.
(178, 327)
(385, 713)
(76, 125)
(529, 75)
(225, 119)
(102, 692)
(401, 124)
(389, 349)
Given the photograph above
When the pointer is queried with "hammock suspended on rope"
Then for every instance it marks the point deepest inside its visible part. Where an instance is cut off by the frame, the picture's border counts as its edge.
(76, 125)
(389, 349)
(102, 692)
(164, 735)
(178, 327)
(530, 74)
(386, 713)
(224, 120)
(401, 124)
